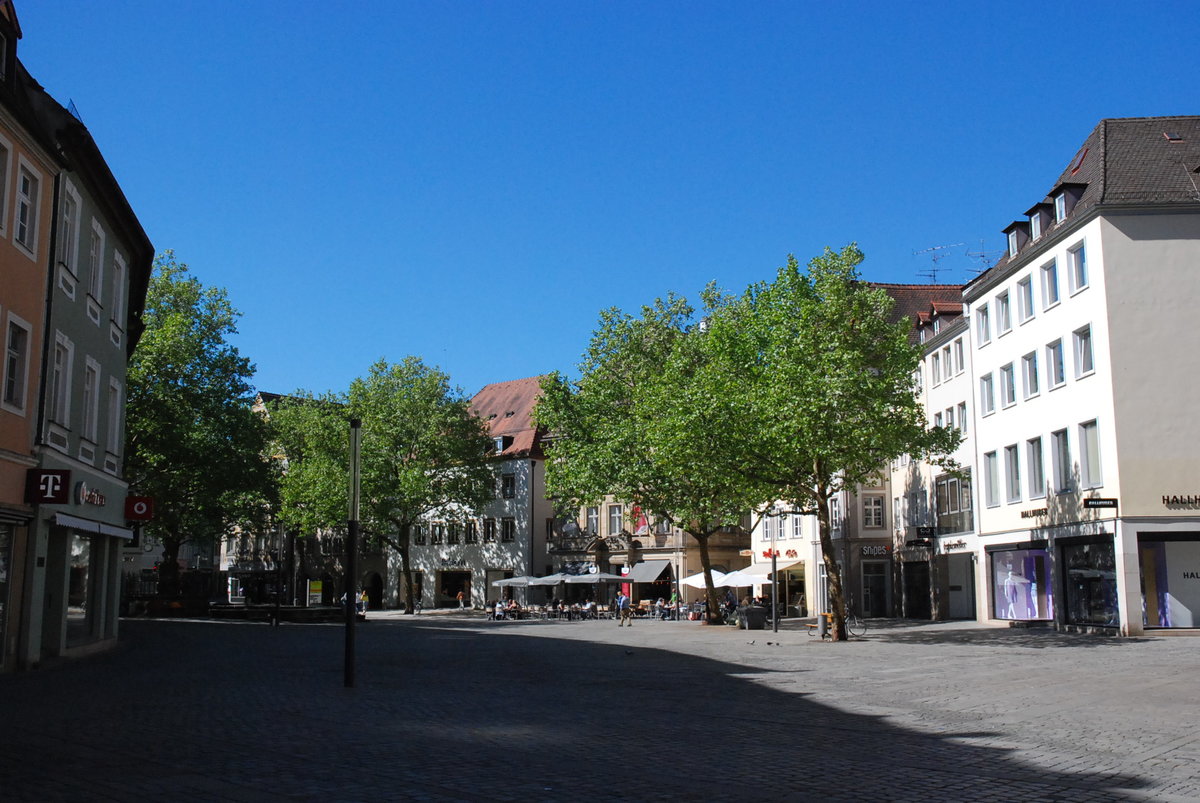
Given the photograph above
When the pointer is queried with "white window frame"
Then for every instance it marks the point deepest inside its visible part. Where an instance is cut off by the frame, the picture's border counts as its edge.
(983, 325)
(1025, 309)
(1083, 346)
(616, 519)
(987, 395)
(114, 435)
(1077, 267)
(937, 419)
(1035, 461)
(963, 420)
(991, 480)
(1060, 446)
(60, 380)
(95, 271)
(1051, 295)
(16, 362)
(1060, 207)
(959, 360)
(1003, 314)
(935, 368)
(68, 234)
(1029, 375)
(1012, 474)
(1012, 244)
(873, 512)
(90, 400)
(117, 302)
(1056, 368)
(24, 200)
(1008, 385)
(1090, 473)
(1035, 226)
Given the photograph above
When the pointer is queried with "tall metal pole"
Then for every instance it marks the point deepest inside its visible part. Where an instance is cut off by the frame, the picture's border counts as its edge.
(352, 554)
(775, 579)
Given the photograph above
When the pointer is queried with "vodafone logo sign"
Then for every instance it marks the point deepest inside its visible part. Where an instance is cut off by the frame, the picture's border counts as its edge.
(139, 508)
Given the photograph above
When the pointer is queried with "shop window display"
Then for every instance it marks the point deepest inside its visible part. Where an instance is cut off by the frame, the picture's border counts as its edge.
(1021, 585)
(1090, 583)
(1170, 585)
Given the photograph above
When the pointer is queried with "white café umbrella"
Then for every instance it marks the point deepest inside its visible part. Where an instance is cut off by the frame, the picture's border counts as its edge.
(521, 581)
(598, 577)
(697, 580)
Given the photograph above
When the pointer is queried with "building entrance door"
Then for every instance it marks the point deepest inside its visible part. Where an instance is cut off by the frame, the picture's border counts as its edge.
(874, 586)
(917, 604)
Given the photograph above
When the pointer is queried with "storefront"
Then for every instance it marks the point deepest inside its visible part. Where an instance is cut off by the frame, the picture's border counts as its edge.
(1089, 581)
(1020, 578)
(1170, 571)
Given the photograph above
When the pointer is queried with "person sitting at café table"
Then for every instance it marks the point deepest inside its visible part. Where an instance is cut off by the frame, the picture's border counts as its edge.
(499, 609)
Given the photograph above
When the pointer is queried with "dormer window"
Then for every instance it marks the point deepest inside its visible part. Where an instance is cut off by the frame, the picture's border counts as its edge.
(1035, 226)
(1060, 207)
(1012, 244)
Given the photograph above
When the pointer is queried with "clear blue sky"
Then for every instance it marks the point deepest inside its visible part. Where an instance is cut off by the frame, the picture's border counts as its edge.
(472, 182)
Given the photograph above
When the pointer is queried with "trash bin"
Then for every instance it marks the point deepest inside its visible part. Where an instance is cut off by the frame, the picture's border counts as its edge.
(754, 617)
(824, 623)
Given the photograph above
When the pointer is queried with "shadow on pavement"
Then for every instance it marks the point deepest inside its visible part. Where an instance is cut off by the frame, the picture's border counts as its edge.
(444, 711)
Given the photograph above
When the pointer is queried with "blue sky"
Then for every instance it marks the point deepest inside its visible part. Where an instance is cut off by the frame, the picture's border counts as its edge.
(471, 182)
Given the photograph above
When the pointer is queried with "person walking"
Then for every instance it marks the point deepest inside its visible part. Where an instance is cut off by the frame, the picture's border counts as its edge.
(462, 600)
(624, 609)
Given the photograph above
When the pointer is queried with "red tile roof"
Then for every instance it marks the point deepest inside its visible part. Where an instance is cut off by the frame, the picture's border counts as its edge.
(915, 302)
(508, 409)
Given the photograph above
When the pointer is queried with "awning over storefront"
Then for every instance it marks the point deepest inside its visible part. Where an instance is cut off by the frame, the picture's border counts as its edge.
(647, 571)
(89, 526)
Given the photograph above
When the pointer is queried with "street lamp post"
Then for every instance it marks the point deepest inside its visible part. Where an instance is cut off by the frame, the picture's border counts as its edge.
(352, 553)
(774, 576)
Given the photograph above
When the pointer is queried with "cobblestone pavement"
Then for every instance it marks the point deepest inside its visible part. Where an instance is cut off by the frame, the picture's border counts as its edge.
(451, 707)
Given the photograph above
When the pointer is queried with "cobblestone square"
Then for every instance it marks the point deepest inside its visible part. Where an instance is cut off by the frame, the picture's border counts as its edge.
(451, 707)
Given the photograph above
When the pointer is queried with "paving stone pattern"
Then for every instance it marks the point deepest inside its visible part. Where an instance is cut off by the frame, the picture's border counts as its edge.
(455, 708)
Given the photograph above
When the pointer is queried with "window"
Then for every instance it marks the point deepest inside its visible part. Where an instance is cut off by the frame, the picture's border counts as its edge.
(1089, 455)
(1003, 313)
(95, 271)
(1037, 471)
(962, 417)
(16, 364)
(1077, 268)
(508, 486)
(1025, 299)
(835, 514)
(5, 171)
(452, 533)
(472, 534)
(489, 531)
(91, 399)
(593, 520)
(983, 324)
(68, 230)
(25, 230)
(950, 416)
(1060, 207)
(117, 301)
(935, 369)
(508, 530)
(795, 526)
(1062, 461)
(991, 480)
(1035, 226)
(937, 419)
(1012, 473)
(114, 435)
(959, 362)
(1008, 386)
(437, 533)
(1084, 361)
(1012, 244)
(1049, 284)
(946, 361)
(615, 519)
(60, 380)
(872, 512)
(1055, 371)
(418, 535)
(987, 395)
(1029, 374)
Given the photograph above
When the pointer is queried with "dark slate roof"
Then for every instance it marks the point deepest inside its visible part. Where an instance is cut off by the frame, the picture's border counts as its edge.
(916, 301)
(508, 409)
(1131, 161)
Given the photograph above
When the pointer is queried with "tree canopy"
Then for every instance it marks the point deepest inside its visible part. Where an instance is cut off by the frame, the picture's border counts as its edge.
(422, 453)
(194, 443)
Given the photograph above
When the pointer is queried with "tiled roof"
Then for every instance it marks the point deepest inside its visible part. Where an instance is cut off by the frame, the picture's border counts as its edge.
(1134, 160)
(914, 301)
(508, 409)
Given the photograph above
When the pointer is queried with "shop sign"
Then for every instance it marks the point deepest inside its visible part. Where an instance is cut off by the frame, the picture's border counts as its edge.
(1182, 499)
(139, 508)
(89, 496)
(791, 553)
(1035, 513)
(1094, 502)
(876, 550)
(47, 487)
(949, 545)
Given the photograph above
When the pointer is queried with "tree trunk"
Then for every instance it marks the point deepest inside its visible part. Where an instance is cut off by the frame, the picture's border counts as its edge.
(833, 573)
(715, 614)
(406, 573)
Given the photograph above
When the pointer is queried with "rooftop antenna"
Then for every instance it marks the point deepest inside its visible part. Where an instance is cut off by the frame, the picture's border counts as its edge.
(932, 271)
(984, 257)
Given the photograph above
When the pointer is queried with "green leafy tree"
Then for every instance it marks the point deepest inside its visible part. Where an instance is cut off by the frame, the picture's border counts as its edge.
(422, 453)
(194, 443)
(811, 390)
(613, 429)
